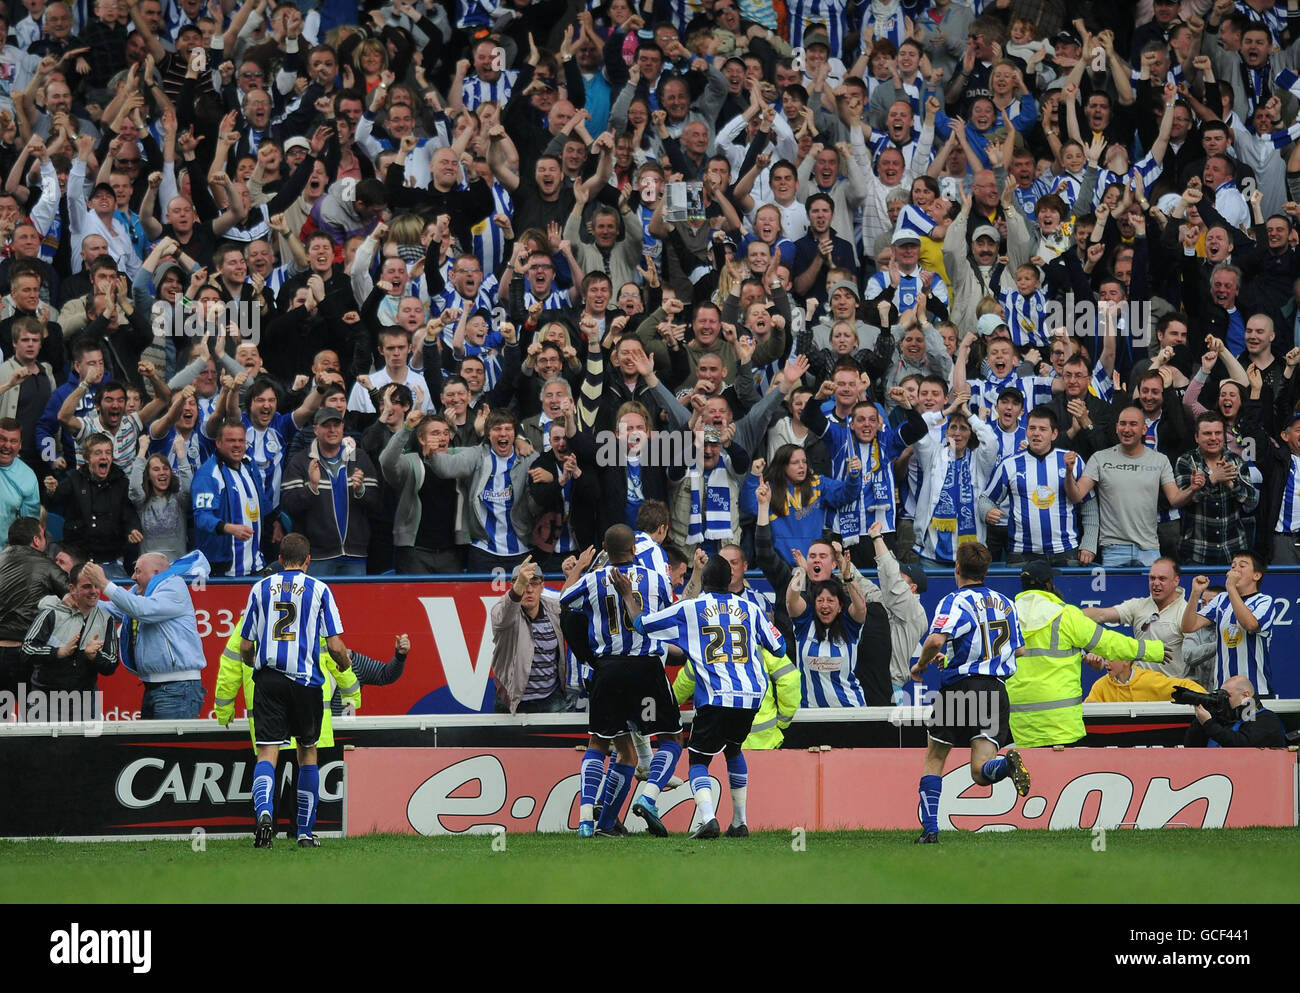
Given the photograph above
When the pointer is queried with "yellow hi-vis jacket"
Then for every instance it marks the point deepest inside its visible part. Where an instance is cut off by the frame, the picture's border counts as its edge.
(1046, 692)
(233, 674)
(779, 702)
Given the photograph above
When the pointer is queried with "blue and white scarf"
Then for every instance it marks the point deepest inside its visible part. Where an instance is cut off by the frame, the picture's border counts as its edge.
(853, 520)
(953, 521)
(193, 567)
(710, 503)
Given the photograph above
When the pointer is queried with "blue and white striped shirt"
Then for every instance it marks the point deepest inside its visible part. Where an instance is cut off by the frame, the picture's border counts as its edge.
(557, 299)
(476, 13)
(983, 633)
(1026, 318)
(1238, 652)
(485, 298)
(1036, 390)
(721, 633)
(488, 241)
(475, 92)
(498, 499)
(609, 629)
(650, 554)
(905, 293)
(1288, 518)
(826, 664)
(1042, 519)
(266, 450)
(287, 615)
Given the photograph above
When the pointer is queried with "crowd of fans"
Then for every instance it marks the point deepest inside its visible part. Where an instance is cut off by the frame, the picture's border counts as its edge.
(472, 282)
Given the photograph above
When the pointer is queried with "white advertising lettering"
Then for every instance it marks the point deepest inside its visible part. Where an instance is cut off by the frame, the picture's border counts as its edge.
(466, 680)
(432, 802)
(180, 784)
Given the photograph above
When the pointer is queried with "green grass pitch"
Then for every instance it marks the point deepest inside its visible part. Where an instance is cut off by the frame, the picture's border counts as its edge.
(848, 866)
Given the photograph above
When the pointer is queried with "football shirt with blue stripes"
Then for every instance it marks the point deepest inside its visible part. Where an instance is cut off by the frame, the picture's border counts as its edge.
(609, 629)
(722, 634)
(1042, 519)
(287, 615)
(826, 663)
(1238, 652)
(983, 634)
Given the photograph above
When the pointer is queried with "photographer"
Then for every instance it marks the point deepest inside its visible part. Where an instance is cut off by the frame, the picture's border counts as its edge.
(1231, 718)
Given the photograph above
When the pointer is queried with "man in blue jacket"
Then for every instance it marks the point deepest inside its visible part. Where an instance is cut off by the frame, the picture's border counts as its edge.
(160, 637)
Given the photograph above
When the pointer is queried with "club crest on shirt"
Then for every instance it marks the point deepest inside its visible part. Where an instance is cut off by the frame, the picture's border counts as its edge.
(1042, 497)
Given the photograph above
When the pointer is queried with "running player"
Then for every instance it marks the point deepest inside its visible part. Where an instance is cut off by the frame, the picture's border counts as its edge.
(629, 688)
(722, 633)
(286, 617)
(972, 706)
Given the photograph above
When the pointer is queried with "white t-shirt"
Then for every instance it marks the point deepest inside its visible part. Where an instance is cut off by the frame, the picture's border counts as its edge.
(359, 398)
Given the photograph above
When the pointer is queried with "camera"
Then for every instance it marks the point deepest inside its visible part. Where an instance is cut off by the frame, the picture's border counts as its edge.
(1216, 703)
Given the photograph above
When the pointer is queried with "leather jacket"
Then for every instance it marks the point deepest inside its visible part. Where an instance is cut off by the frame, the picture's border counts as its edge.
(25, 576)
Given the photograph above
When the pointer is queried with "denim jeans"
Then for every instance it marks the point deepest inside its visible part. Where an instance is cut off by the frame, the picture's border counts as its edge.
(179, 700)
(342, 565)
(1121, 555)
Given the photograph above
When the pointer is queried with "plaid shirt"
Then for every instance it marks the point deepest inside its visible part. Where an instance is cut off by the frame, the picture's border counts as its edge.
(1214, 521)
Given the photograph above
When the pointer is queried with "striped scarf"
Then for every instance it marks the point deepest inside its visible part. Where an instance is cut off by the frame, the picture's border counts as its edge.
(50, 243)
(954, 513)
(710, 503)
(853, 520)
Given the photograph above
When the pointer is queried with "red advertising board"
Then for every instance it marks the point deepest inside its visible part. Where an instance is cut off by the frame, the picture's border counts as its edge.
(447, 671)
(457, 790)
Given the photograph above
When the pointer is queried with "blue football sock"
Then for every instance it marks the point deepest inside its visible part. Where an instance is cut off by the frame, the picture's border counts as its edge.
(263, 787)
(738, 781)
(662, 768)
(593, 770)
(308, 798)
(618, 785)
(931, 789)
(995, 769)
(738, 772)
